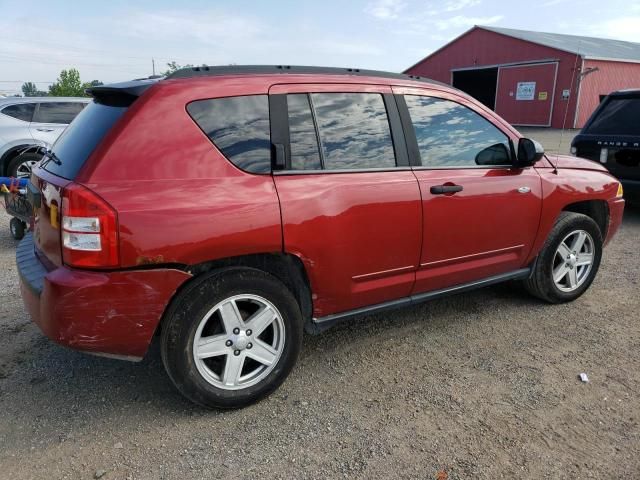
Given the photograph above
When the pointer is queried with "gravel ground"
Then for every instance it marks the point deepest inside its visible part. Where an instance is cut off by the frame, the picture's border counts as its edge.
(481, 385)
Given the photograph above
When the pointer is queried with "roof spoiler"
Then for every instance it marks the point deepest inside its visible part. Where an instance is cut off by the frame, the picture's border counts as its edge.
(120, 94)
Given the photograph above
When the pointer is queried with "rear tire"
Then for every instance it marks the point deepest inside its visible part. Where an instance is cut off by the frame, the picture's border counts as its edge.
(21, 165)
(568, 261)
(17, 228)
(209, 349)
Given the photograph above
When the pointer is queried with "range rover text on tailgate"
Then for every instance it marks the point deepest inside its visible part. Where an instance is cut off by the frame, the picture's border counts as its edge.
(229, 209)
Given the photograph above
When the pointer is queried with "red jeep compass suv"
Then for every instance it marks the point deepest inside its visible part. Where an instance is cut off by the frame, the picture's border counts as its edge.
(231, 208)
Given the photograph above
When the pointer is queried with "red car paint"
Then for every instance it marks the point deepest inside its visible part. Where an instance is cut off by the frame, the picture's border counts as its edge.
(112, 313)
(363, 238)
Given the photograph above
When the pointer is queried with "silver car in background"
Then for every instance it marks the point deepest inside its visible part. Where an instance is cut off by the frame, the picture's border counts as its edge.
(30, 125)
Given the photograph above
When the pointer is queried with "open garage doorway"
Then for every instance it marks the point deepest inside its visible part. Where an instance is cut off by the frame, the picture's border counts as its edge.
(480, 83)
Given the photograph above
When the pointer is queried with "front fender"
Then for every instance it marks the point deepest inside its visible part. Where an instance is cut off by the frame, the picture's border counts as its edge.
(566, 187)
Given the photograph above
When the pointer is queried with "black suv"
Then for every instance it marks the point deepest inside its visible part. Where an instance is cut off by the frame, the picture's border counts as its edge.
(611, 136)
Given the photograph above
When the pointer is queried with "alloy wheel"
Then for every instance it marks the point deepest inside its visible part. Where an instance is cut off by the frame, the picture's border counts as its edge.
(24, 169)
(239, 342)
(573, 261)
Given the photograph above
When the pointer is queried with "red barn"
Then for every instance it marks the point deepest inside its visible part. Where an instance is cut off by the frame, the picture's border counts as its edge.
(534, 78)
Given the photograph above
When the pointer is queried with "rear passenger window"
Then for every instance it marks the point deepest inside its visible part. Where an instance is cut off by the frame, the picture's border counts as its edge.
(21, 111)
(239, 127)
(451, 135)
(354, 130)
(58, 112)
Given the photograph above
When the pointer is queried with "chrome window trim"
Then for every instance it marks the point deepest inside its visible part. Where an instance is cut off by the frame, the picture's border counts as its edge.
(346, 170)
(397, 169)
(466, 167)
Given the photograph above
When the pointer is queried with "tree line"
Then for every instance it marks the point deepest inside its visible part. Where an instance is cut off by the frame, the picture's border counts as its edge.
(68, 83)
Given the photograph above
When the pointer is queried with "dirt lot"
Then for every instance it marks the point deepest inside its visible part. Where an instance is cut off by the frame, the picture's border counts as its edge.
(481, 385)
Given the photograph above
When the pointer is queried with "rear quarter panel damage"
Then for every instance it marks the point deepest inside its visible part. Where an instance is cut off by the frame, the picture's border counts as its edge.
(115, 312)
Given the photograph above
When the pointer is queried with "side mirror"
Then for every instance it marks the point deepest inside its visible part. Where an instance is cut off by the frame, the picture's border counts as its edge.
(497, 154)
(529, 152)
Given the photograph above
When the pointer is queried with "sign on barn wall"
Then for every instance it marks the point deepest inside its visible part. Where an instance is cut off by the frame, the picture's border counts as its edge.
(526, 91)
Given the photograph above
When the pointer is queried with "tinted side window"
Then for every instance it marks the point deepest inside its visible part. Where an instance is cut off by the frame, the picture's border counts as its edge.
(21, 111)
(305, 154)
(354, 130)
(451, 135)
(619, 116)
(58, 112)
(239, 127)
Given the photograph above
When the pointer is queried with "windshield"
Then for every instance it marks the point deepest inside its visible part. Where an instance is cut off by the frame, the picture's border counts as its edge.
(619, 116)
(81, 138)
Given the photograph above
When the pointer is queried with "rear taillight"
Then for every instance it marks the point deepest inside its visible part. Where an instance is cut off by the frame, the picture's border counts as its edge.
(89, 229)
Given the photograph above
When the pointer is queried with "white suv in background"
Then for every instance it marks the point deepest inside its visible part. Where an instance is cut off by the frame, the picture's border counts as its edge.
(29, 124)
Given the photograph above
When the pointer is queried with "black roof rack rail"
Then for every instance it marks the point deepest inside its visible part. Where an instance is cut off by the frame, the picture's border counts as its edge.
(206, 70)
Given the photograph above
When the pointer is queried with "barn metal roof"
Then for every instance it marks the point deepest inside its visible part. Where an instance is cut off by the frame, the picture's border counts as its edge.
(588, 47)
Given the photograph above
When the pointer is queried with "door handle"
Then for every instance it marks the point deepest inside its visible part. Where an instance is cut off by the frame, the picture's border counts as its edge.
(443, 189)
(45, 129)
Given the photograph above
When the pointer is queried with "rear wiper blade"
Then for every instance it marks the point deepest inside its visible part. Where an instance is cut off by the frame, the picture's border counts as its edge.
(50, 156)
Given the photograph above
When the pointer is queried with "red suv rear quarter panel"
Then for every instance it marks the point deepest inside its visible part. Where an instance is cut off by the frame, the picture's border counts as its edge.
(179, 200)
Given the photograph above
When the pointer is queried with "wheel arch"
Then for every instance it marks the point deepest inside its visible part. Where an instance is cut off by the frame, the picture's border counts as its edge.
(597, 210)
(287, 268)
(16, 150)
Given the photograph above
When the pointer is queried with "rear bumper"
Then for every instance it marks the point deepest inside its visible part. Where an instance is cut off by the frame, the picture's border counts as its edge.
(616, 210)
(111, 313)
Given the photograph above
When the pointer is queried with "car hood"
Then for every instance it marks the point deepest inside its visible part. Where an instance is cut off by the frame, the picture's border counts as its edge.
(576, 163)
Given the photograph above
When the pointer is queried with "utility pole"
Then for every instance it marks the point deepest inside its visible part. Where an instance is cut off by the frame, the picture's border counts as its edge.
(153, 66)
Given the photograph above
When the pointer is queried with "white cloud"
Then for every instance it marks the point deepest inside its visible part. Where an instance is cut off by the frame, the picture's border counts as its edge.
(550, 3)
(455, 5)
(385, 9)
(617, 28)
(622, 28)
(461, 21)
(207, 27)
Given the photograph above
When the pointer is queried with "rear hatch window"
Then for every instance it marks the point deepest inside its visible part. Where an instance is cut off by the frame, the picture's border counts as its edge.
(619, 116)
(80, 138)
(70, 152)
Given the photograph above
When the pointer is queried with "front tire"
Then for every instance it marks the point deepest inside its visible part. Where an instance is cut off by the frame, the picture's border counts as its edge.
(568, 261)
(231, 337)
(17, 228)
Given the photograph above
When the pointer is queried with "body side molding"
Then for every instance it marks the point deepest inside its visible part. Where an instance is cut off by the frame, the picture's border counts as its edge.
(318, 325)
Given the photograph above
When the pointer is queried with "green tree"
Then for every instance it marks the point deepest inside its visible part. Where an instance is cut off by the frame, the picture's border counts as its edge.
(69, 84)
(174, 66)
(93, 83)
(29, 89)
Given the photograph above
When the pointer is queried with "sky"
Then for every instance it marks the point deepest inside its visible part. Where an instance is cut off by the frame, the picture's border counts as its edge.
(116, 40)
